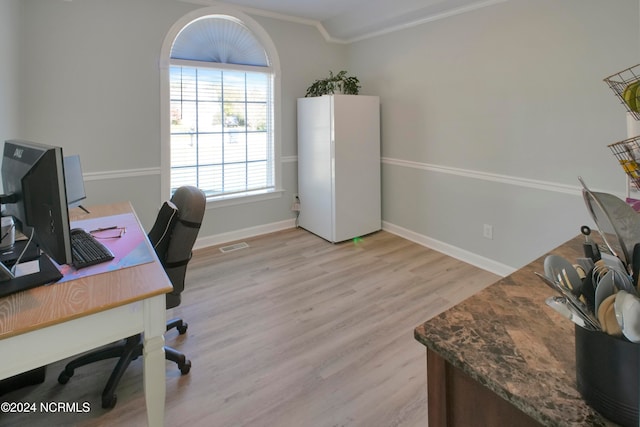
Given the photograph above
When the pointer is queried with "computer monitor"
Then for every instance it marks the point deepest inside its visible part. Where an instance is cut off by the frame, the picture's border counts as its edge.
(74, 182)
(35, 195)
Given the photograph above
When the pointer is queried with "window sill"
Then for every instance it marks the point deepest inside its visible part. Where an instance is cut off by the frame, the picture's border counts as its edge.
(243, 198)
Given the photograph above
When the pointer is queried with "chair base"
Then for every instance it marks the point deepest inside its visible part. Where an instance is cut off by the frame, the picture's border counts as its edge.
(179, 324)
(128, 351)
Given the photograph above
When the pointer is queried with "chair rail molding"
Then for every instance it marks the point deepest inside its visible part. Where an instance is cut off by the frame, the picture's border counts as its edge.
(117, 174)
(488, 176)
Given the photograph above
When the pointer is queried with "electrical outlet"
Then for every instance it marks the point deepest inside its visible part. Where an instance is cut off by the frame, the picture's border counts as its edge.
(487, 231)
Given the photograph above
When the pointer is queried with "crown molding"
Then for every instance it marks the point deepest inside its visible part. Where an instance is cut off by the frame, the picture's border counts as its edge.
(421, 21)
(327, 36)
(269, 14)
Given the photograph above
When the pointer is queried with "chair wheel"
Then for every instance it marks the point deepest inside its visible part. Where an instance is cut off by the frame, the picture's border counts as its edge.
(182, 328)
(64, 377)
(108, 402)
(186, 367)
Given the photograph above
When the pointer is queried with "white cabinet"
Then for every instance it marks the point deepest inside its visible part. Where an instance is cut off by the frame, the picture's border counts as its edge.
(339, 166)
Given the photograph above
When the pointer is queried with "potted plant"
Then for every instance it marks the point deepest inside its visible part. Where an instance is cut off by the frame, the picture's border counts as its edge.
(340, 83)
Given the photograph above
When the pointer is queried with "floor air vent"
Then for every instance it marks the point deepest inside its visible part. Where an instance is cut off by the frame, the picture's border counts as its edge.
(234, 247)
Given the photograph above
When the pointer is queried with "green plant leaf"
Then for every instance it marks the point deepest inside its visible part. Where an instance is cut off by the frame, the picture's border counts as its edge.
(348, 85)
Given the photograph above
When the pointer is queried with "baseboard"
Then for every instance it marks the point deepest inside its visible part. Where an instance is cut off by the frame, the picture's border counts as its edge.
(453, 251)
(244, 233)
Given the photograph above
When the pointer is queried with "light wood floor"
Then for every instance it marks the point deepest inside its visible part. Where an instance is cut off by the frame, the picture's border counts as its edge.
(292, 331)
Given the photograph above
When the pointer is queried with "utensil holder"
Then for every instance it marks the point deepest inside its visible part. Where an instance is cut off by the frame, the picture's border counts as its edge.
(607, 375)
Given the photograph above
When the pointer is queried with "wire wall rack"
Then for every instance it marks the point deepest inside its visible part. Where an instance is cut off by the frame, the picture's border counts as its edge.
(628, 154)
(625, 85)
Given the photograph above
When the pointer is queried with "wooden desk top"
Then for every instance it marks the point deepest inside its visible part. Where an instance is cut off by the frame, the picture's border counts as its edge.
(508, 339)
(56, 303)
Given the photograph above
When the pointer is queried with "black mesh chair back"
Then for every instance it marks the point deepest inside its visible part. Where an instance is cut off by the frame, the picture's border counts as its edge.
(174, 234)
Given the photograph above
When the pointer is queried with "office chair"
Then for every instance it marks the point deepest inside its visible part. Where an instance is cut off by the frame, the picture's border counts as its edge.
(172, 236)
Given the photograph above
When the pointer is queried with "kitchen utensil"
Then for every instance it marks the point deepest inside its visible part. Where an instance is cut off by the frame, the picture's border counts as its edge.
(623, 281)
(589, 291)
(618, 223)
(561, 306)
(555, 266)
(550, 283)
(591, 250)
(582, 273)
(607, 317)
(635, 264)
(611, 261)
(581, 309)
(586, 263)
(604, 289)
(627, 313)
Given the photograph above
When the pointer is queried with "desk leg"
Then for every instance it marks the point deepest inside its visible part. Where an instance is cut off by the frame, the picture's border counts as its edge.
(154, 365)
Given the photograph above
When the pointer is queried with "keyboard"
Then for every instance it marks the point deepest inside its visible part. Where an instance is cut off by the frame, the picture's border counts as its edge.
(86, 250)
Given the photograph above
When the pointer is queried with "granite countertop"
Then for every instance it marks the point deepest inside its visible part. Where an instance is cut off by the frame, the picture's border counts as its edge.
(508, 339)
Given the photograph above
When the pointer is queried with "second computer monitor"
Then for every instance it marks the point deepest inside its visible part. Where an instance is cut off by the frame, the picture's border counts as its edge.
(73, 180)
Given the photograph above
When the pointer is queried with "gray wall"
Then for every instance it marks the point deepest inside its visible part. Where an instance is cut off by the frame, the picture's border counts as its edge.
(9, 69)
(489, 117)
(88, 81)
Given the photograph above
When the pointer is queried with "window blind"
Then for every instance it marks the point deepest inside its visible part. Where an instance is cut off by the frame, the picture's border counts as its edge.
(219, 39)
(220, 130)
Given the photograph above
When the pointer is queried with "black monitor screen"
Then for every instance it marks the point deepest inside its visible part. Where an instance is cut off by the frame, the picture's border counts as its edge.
(34, 175)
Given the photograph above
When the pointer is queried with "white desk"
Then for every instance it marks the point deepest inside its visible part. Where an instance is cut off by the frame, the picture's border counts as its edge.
(50, 323)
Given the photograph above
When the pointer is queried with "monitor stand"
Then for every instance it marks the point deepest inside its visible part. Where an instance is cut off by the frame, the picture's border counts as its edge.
(48, 273)
(9, 256)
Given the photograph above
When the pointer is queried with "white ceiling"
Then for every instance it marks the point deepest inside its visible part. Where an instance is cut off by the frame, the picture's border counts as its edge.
(351, 20)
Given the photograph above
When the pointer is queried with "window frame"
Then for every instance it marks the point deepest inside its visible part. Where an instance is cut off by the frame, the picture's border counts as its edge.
(165, 104)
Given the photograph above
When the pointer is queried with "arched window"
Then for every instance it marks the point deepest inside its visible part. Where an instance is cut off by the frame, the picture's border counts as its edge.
(220, 80)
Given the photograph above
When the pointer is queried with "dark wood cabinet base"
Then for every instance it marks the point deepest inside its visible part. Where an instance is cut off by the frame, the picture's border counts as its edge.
(456, 399)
